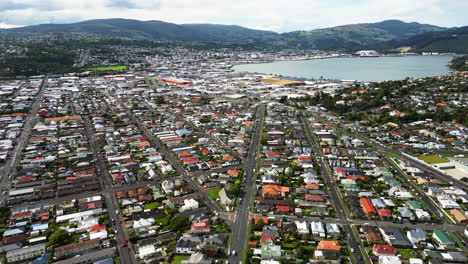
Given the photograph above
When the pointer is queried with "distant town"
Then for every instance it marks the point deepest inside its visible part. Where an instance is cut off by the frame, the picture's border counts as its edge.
(168, 155)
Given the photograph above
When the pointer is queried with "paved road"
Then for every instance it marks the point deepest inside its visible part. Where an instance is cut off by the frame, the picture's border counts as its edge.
(213, 138)
(125, 255)
(353, 242)
(377, 223)
(418, 164)
(239, 232)
(434, 208)
(13, 161)
(420, 193)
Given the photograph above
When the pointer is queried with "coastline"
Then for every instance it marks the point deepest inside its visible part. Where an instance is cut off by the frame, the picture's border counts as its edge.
(235, 67)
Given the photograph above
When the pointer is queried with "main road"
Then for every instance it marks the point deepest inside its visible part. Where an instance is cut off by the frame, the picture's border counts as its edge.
(11, 163)
(354, 241)
(239, 232)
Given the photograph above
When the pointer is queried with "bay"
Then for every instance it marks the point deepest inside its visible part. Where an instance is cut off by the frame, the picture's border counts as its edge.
(374, 69)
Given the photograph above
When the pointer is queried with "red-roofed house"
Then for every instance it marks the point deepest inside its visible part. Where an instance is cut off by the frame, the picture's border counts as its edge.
(200, 227)
(283, 208)
(384, 250)
(367, 207)
(267, 239)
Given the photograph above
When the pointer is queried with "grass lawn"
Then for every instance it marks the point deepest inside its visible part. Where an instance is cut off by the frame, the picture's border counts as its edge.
(431, 159)
(178, 259)
(221, 228)
(407, 253)
(111, 68)
(151, 206)
(163, 220)
(213, 193)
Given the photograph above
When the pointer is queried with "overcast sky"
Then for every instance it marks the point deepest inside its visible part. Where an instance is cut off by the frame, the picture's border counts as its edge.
(276, 15)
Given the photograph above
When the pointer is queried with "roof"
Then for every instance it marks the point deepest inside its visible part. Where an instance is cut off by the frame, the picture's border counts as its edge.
(282, 82)
(443, 236)
(328, 245)
(96, 227)
(459, 215)
(367, 205)
(384, 249)
(272, 189)
(62, 118)
(74, 246)
(263, 218)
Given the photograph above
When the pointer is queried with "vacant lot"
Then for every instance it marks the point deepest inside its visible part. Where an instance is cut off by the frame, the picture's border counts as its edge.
(213, 193)
(111, 68)
(431, 159)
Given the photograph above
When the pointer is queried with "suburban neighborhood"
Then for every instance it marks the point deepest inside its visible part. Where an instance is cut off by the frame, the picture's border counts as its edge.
(186, 161)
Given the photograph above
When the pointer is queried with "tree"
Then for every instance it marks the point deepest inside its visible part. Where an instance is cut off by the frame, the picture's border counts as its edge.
(300, 252)
(180, 222)
(59, 237)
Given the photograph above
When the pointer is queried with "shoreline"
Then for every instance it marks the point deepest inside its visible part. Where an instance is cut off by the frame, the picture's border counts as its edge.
(303, 78)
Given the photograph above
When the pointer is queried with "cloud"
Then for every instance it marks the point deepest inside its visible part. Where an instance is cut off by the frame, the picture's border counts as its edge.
(278, 15)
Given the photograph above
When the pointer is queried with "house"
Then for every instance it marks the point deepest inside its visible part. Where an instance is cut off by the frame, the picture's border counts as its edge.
(269, 251)
(406, 213)
(200, 227)
(389, 260)
(416, 236)
(395, 237)
(224, 198)
(197, 258)
(372, 234)
(302, 227)
(167, 186)
(459, 216)
(317, 229)
(213, 245)
(187, 244)
(328, 245)
(189, 204)
(19, 255)
(444, 239)
(367, 207)
(422, 215)
(333, 230)
(272, 191)
(92, 257)
(383, 250)
(267, 239)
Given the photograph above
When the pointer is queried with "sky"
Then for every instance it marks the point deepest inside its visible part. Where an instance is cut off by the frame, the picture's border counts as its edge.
(275, 15)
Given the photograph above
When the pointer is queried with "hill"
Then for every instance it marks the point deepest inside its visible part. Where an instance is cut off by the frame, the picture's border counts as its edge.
(451, 40)
(358, 36)
(383, 36)
(154, 30)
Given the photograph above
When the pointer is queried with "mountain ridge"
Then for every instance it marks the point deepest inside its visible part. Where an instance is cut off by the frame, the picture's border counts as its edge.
(382, 35)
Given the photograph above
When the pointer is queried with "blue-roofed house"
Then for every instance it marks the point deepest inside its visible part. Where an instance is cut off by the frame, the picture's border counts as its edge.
(377, 203)
(12, 232)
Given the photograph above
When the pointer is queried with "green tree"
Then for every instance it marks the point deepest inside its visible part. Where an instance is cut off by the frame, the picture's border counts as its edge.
(180, 222)
(59, 237)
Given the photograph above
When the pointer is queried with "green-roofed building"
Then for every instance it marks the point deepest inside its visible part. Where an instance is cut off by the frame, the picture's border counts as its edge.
(351, 187)
(366, 158)
(443, 238)
(271, 251)
(413, 204)
(433, 254)
(319, 211)
(394, 183)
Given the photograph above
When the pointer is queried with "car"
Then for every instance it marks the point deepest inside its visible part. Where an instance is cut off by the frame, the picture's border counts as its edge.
(233, 253)
(128, 249)
(120, 221)
(117, 212)
(123, 245)
(125, 240)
